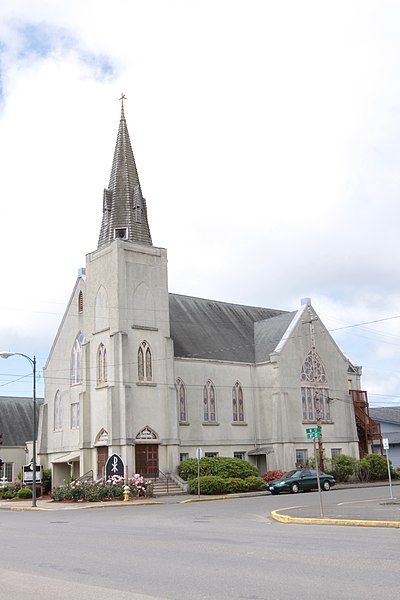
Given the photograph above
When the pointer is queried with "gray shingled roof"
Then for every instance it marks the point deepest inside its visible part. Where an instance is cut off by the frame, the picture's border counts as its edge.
(124, 207)
(16, 419)
(219, 330)
(268, 334)
(387, 414)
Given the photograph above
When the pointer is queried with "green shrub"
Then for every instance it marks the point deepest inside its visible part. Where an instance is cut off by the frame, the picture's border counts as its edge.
(343, 467)
(209, 484)
(374, 466)
(220, 466)
(213, 484)
(255, 484)
(46, 481)
(24, 493)
(9, 491)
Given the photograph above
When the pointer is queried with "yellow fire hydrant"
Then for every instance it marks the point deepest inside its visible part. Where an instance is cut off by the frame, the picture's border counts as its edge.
(126, 493)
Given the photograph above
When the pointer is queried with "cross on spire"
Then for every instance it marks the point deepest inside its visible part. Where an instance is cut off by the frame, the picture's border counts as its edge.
(123, 97)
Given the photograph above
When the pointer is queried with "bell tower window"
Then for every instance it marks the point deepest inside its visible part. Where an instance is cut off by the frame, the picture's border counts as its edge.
(121, 233)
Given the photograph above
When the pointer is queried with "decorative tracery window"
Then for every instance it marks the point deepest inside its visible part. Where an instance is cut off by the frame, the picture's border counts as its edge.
(145, 366)
(57, 412)
(237, 403)
(314, 387)
(209, 404)
(101, 366)
(76, 359)
(181, 395)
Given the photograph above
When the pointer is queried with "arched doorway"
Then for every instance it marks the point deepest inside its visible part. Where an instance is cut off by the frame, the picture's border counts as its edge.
(102, 452)
(146, 453)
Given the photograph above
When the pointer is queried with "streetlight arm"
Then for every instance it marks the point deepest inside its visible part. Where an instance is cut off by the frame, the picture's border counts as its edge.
(32, 361)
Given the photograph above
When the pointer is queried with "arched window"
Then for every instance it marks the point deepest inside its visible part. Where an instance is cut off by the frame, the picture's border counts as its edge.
(101, 366)
(57, 412)
(237, 403)
(181, 395)
(80, 302)
(76, 359)
(209, 405)
(314, 386)
(145, 366)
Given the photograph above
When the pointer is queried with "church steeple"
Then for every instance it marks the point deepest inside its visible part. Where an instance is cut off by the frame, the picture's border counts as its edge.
(124, 208)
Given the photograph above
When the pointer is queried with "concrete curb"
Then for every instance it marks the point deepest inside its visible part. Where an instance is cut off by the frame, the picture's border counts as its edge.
(78, 507)
(211, 498)
(322, 521)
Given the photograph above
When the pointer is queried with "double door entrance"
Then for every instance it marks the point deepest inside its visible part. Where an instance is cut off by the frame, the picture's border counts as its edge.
(146, 460)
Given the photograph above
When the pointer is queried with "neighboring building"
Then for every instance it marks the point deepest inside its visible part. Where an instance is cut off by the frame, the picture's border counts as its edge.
(389, 419)
(151, 376)
(16, 429)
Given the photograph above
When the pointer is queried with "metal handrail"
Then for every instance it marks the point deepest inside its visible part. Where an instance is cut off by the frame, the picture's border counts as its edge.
(88, 476)
(159, 475)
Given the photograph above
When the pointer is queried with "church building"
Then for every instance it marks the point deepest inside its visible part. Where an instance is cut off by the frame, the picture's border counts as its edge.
(151, 376)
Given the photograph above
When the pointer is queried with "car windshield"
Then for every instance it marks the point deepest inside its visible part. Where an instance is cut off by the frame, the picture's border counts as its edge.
(291, 474)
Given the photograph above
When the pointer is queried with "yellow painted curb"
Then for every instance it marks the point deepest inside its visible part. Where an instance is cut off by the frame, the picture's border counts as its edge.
(82, 507)
(209, 499)
(322, 521)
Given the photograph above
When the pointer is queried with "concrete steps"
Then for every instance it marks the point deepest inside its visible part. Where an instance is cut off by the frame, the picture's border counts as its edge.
(166, 487)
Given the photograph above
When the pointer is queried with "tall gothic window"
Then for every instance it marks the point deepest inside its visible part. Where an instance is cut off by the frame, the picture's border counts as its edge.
(237, 403)
(209, 405)
(145, 363)
(314, 385)
(181, 394)
(101, 365)
(76, 359)
(57, 412)
(80, 302)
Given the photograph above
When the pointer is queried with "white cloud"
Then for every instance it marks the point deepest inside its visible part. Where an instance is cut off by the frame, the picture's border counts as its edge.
(267, 141)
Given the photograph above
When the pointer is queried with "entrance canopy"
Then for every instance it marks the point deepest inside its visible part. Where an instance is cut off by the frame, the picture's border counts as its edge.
(262, 450)
(66, 458)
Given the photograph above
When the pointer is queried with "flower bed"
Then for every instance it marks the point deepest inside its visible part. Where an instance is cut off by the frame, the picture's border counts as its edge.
(112, 489)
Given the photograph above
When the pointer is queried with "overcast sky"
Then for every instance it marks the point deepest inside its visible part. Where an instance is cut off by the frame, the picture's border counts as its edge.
(267, 140)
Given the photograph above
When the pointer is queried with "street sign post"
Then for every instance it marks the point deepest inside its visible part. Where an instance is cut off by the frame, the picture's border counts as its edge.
(199, 454)
(314, 433)
(385, 443)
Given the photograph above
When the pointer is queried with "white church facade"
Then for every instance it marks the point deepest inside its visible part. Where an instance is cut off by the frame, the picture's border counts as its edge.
(152, 376)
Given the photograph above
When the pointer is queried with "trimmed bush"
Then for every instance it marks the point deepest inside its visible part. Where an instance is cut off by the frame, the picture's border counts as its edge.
(343, 467)
(220, 466)
(46, 481)
(213, 484)
(374, 467)
(24, 493)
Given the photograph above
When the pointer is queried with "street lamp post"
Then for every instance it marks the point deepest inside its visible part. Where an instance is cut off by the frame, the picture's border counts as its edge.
(32, 362)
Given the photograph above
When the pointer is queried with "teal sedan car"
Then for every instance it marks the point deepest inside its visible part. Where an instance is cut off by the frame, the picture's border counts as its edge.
(301, 480)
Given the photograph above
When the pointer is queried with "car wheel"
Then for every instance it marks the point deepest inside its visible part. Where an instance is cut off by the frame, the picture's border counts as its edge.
(294, 488)
(326, 486)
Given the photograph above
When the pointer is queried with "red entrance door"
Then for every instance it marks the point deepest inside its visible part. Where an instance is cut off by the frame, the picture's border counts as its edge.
(102, 455)
(146, 459)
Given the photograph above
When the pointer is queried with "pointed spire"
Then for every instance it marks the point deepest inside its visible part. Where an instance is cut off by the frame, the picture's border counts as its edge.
(124, 208)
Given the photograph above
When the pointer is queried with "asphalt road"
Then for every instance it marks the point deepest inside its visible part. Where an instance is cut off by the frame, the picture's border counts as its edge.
(229, 549)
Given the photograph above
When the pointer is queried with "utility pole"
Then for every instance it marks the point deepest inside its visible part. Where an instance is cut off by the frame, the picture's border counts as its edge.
(315, 389)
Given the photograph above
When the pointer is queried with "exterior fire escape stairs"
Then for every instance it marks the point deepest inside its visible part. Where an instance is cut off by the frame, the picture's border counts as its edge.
(368, 430)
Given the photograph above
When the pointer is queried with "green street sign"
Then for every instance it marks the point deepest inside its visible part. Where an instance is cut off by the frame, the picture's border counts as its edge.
(313, 433)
